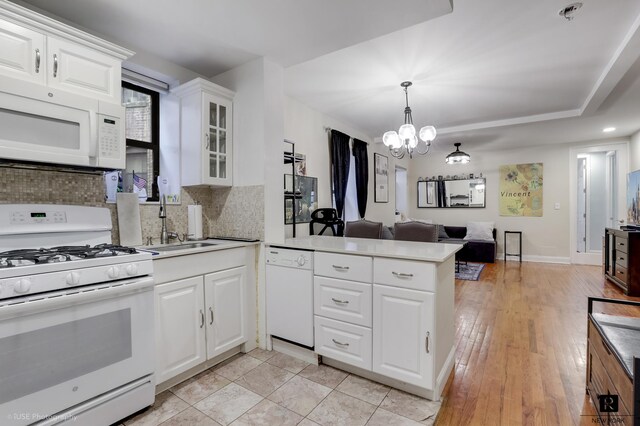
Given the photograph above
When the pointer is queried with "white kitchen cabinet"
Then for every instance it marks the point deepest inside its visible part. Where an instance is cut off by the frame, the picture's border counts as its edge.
(225, 303)
(56, 57)
(403, 334)
(21, 53)
(386, 309)
(84, 71)
(180, 327)
(210, 297)
(206, 133)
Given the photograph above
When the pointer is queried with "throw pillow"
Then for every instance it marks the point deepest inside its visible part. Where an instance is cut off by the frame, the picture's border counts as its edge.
(442, 233)
(479, 231)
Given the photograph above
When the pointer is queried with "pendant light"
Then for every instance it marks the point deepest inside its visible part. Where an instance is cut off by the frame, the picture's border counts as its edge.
(457, 156)
(405, 139)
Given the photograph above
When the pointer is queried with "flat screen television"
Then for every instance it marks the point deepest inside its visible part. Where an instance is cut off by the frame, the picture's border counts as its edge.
(633, 199)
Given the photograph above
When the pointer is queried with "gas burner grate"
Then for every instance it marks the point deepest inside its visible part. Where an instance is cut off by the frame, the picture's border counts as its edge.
(24, 257)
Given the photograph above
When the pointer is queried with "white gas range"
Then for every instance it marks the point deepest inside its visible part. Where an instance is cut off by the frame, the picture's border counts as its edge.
(76, 319)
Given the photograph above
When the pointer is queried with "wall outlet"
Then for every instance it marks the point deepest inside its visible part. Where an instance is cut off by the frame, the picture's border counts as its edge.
(557, 206)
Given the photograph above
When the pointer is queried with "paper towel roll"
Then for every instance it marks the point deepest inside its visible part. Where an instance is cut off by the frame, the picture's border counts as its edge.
(194, 221)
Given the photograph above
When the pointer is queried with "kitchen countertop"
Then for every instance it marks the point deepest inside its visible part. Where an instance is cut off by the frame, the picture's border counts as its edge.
(406, 250)
(220, 245)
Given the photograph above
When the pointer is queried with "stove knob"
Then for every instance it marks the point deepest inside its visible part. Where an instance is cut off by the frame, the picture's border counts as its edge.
(132, 269)
(22, 286)
(73, 278)
(301, 260)
(113, 272)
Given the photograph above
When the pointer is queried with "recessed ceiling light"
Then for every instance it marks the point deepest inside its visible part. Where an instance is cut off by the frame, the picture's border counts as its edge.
(609, 129)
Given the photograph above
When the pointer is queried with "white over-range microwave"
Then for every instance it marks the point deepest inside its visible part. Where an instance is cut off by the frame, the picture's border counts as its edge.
(60, 128)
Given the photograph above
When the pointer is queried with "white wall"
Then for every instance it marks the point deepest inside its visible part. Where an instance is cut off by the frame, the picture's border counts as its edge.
(546, 236)
(305, 126)
(258, 120)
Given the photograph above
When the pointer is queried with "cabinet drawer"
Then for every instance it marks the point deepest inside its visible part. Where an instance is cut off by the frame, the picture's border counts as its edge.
(343, 300)
(405, 274)
(621, 258)
(620, 383)
(598, 382)
(344, 342)
(621, 273)
(343, 266)
(622, 244)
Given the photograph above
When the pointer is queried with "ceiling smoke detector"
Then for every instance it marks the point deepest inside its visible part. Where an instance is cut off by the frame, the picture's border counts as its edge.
(569, 12)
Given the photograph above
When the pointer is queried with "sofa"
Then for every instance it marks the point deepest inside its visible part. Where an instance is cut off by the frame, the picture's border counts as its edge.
(474, 250)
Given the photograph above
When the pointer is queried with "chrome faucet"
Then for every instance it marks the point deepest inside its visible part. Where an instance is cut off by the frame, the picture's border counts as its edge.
(164, 235)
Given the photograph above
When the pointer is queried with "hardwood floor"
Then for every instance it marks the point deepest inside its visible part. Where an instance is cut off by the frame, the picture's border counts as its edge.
(521, 334)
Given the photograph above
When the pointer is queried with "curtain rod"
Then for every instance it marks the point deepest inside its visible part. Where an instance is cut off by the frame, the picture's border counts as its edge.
(329, 129)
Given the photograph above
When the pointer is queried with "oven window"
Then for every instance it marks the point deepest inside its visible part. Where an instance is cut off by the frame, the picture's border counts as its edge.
(39, 359)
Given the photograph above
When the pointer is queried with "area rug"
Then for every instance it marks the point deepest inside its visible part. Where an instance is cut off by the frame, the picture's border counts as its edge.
(470, 271)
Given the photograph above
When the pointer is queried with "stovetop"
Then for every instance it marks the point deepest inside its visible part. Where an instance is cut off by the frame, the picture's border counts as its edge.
(30, 257)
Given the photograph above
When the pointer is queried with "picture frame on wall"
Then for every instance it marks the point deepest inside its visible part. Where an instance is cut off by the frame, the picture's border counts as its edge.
(381, 178)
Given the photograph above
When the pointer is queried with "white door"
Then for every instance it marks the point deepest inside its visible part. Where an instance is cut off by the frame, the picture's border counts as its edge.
(218, 150)
(225, 304)
(403, 334)
(180, 327)
(84, 71)
(604, 201)
(22, 53)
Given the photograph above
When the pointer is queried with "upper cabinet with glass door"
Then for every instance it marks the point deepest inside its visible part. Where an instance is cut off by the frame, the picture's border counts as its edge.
(206, 132)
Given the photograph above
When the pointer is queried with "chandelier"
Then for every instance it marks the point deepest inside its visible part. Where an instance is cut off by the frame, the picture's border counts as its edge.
(405, 139)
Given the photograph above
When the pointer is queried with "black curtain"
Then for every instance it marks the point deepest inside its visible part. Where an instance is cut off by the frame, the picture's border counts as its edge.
(340, 159)
(362, 174)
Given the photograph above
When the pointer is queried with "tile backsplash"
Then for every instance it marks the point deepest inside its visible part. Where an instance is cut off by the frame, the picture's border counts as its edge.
(229, 212)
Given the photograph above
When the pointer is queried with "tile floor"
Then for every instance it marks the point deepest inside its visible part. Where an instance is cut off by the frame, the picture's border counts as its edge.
(271, 388)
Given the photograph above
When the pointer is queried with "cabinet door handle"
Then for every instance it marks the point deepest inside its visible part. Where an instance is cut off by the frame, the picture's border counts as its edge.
(206, 137)
(401, 275)
(340, 268)
(426, 343)
(201, 318)
(211, 312)
(340, 302)
(37, 61)
(340, 343)
(621, 258)
(55, 65)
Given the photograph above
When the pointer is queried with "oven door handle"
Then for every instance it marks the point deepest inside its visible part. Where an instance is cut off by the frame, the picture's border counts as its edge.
(76, 296)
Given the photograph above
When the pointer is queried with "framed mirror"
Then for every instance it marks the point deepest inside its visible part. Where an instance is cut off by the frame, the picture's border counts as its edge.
(464, 193)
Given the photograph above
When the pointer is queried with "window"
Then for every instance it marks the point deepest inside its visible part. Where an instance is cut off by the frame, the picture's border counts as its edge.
(142, 132)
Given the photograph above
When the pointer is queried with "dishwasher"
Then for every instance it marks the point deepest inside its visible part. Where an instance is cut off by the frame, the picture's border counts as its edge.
(289, 295)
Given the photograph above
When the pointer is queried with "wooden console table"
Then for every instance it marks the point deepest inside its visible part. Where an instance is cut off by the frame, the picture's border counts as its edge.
(622, 259)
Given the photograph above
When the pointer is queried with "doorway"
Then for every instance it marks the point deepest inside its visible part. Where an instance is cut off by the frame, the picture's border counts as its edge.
(598, 176)
(401, 190)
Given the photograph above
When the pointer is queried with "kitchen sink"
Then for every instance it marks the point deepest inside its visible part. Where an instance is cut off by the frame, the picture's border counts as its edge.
(183, 246)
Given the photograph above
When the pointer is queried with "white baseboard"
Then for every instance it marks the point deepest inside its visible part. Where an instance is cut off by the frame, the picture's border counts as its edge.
(537, 259)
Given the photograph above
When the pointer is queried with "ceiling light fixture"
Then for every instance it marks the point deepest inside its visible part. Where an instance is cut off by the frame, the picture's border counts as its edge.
(405, 139)
(457, 156)
(570, 10)
(609, 129)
